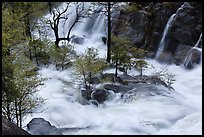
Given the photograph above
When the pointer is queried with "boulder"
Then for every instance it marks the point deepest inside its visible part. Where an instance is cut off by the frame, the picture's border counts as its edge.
(100, 95)
(104, 39)
(193, 57)
(117, 88)
(181, 53)
(94, 80)
(77, 39)
(39, 126)
(165, 57)
(144, 90)
(94, 102)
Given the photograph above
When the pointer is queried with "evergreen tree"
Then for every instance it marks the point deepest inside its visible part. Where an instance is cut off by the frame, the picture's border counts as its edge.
(138, 56)
(89, 65)
(120, 53)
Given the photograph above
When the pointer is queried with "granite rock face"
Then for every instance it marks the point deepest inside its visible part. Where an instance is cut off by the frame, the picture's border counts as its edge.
(9, 128)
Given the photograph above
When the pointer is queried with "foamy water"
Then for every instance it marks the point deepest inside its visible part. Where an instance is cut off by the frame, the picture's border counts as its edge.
(180, 113)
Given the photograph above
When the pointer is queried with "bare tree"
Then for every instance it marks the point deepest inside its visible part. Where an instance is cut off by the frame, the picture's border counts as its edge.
(62, 15)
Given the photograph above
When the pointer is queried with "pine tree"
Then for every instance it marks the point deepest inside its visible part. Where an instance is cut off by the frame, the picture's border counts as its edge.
(89, 65)
(120, 53)
(138, 56)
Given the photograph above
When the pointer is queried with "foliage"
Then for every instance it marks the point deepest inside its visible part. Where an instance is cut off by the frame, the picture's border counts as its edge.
(141, 65)
(169, 5)
(126, 56)
(19, 80)
(120, 55)
(62, 57)
(132, 7)
(138, 61)
(89, 65)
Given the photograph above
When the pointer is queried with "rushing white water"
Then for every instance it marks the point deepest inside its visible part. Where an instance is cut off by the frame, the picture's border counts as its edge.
(179, 113)
(162, 43)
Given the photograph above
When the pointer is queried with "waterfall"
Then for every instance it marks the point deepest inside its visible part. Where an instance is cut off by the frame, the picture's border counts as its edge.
(92, 27)
(162, 43)
(163, 40)
(189, 57)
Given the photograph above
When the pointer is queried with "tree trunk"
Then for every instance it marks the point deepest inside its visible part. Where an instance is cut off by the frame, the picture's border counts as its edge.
(28, 32)
(109, 35)
(8, 111)
(20, 115)
(141, 71)
(35, 55)
(68, 34)
(16, 109)
(116, 68)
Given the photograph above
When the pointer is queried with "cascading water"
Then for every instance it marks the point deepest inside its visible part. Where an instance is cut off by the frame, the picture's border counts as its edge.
(162, 43)
(178, 113)
(189, 57)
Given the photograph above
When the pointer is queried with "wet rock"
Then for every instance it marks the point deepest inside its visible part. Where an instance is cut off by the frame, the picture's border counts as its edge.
(94, 102)
(193, 58)
(100, 95)
(104, 39)
(94, 80)
(117, 88)
(39, 126)
(165, 57)
(77, 39)
(181, 53)
(144, 90)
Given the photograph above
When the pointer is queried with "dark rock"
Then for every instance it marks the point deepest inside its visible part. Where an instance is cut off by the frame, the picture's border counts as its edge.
(119, 80)
(165, 57)
(104, 39)
(146, 27)
(193, 58)
(132, 83)
(181, 53)
(9, 128)
(108, 77)
(94, 102)
(126, 77)
(77, 39)
(99, 95)
(144, 90)
(94, 80)
(182, 35)
(117, 88)
(39, 126)
(86, 93)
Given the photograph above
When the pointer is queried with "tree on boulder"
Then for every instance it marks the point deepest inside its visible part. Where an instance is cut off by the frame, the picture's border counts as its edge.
(89, 65)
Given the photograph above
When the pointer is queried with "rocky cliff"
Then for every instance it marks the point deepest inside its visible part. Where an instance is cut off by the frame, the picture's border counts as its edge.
(145, 27)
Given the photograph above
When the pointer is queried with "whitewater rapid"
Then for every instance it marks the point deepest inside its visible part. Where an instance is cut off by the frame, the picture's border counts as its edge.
(181, 113)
